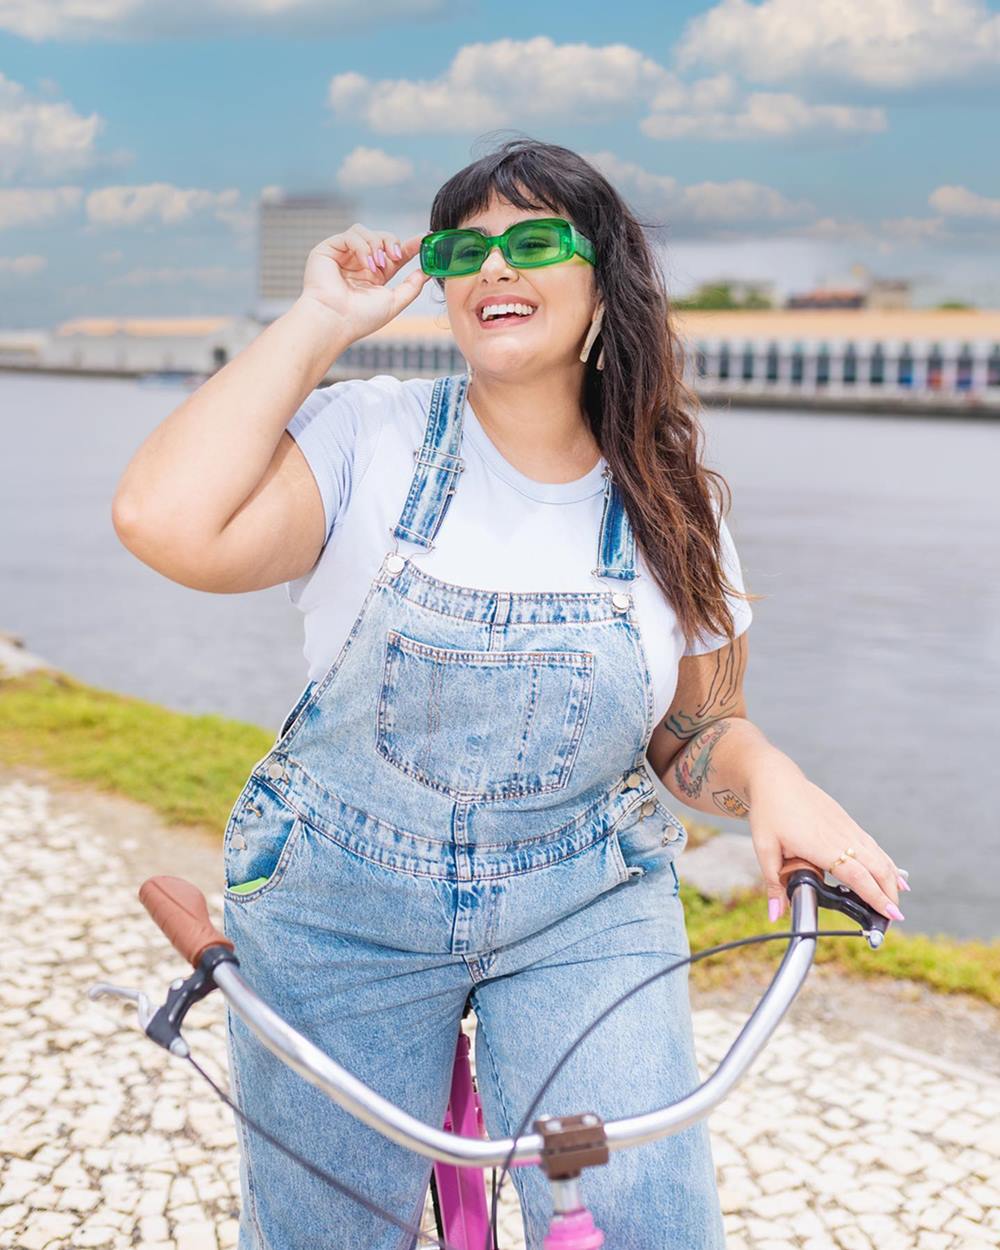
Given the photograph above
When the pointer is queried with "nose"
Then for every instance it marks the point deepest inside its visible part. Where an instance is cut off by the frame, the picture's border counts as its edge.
(495, 262)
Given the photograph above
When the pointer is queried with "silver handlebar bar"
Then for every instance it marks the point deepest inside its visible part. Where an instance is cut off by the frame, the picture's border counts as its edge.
(434, 1143)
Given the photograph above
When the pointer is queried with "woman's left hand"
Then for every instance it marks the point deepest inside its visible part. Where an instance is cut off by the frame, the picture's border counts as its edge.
(790, 816)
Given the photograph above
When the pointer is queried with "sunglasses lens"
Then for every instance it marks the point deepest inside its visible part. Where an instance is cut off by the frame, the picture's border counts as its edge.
(454, 253)
(536, 243)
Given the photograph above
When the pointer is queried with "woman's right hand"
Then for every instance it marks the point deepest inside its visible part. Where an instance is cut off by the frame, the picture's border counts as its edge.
(338, 276)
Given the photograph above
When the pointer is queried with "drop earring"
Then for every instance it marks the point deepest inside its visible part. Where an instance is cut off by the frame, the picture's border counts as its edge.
(595, 328)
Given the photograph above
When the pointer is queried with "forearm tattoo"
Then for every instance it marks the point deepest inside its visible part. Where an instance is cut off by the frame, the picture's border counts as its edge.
(730, 802)
(722, 697)
(691, 768)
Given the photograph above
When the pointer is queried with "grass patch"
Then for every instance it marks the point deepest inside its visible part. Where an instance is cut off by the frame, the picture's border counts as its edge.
(945, 964)
(191, 769)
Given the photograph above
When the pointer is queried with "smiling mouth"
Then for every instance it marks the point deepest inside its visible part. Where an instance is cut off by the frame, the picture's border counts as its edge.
(506, 319)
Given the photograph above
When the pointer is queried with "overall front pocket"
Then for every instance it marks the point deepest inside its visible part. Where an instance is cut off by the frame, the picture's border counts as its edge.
(481, 725)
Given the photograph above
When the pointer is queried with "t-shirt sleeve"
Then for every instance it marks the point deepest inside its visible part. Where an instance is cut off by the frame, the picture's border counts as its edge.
(337, 430)
(742, 615)
(334, 428)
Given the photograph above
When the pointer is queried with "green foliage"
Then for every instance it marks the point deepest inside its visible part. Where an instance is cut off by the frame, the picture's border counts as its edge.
(953, 305)
(718, 297)
(191, 768)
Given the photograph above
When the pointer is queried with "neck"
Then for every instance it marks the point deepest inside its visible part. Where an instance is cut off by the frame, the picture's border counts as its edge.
(540, 423)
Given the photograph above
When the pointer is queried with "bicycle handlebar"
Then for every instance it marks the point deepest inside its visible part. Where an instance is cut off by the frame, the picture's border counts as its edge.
(181, 911)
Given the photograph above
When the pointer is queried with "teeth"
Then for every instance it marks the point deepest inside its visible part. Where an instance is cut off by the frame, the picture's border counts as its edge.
(499, 310)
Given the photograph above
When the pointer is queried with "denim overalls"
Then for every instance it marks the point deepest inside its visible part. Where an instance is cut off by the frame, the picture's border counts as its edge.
(462, 805)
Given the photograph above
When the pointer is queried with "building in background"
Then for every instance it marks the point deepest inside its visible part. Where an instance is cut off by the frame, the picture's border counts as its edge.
(859, 290)
(289, 227)
(132, 346)
(898, 359)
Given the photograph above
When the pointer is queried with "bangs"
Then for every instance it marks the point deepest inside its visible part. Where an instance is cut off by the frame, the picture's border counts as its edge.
(520, 179)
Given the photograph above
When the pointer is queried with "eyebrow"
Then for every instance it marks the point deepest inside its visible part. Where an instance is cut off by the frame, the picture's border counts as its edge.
(485, 233)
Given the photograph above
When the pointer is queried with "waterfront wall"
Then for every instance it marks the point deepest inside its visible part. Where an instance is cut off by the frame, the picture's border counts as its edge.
(904, 360)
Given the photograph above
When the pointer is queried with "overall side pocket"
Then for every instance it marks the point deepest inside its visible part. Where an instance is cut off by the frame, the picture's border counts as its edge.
(259, 844)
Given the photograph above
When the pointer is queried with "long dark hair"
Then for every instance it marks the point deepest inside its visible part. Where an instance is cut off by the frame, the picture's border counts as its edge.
(643, 416)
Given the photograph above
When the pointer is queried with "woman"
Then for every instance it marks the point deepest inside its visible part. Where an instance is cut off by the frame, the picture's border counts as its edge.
(526, 632)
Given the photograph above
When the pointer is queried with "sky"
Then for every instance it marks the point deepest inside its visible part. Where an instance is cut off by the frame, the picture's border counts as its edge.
(785, 140)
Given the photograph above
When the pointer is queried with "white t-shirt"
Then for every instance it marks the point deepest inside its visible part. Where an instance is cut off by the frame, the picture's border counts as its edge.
(502, 530)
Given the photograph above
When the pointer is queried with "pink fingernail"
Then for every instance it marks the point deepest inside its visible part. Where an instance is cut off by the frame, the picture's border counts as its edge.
(397, 251)
(381, 258)
(773, 907)
(893, 911)
(371, 263)
(902, 884)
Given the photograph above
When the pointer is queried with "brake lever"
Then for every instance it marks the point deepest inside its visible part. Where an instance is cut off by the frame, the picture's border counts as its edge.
(842, 898)
(144, 1009)
(163, 1024)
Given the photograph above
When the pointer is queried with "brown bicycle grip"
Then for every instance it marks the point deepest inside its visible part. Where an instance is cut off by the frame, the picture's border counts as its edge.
(793, 865)
(180, 909)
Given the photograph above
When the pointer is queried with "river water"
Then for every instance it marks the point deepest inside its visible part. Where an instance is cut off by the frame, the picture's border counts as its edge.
(873, 657)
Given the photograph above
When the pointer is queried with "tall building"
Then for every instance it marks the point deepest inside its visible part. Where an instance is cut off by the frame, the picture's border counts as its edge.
(289, 227)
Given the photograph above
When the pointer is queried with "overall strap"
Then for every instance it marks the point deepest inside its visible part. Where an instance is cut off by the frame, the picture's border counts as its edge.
(616, 542)
(439, 464)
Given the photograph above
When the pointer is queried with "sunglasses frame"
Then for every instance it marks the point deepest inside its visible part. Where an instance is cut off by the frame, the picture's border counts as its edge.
(573, 243)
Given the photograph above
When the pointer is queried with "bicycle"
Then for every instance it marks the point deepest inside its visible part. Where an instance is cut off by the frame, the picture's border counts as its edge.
(460, 1150)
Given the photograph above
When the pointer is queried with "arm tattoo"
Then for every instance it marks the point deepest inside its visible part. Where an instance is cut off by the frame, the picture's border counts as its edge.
(730, 802)
(722, 696)
(691, 768)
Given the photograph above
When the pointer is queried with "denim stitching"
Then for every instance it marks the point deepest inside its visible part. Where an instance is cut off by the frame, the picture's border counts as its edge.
(505, 1115)
(244, 1139)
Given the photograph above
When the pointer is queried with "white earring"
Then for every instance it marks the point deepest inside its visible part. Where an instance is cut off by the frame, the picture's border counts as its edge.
(595, 328)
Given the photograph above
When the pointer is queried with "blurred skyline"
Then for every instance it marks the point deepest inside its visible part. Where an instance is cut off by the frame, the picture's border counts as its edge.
(784, 140)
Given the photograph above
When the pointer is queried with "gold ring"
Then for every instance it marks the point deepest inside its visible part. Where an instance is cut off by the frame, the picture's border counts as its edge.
(841, 858)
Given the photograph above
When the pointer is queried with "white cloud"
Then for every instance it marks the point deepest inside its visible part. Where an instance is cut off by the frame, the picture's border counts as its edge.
(832, 229)
(149, 19)
(913, 230)
(22, 266)
(761, 115)
(880, 43)
(701, 207)
(169, 275)
(36, 206)
(162, 203)
(495, 84)
(961, 202)
(43, 138)
(492, 84)
(371, 167)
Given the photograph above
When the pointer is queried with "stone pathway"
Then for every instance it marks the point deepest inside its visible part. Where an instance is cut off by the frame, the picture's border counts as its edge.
(840, 1138)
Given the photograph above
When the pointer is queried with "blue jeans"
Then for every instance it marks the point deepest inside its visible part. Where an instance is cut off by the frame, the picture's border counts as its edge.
(355, 954)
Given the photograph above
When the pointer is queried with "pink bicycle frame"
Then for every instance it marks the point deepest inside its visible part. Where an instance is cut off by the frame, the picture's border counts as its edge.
(462, 1201)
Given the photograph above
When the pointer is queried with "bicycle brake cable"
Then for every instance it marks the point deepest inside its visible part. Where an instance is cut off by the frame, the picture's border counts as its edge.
(690, 959)
(440, 1242)
(321, 1173)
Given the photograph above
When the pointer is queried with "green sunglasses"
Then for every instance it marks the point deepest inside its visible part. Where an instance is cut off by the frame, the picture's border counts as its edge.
(525, 245)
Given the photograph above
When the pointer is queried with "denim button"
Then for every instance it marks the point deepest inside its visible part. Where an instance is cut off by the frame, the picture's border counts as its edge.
(238, 842)
(633, 780)
(620, 602)
(649, 807)
(671, 835)
(275, 770)
(394, 563)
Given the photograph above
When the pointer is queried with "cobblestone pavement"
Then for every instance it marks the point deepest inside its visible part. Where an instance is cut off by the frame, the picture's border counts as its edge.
(830, 1143)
